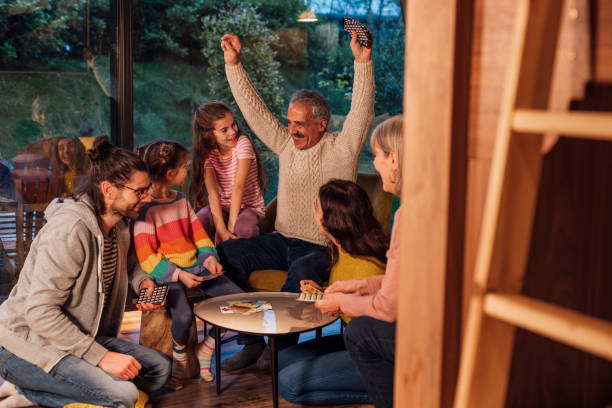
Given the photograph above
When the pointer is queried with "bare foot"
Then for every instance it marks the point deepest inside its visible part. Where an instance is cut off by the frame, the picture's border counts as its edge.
(13, 398)
(16, 401)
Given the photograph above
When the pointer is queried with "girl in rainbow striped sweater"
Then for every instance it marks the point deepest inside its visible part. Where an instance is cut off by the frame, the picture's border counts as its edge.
(173, 248)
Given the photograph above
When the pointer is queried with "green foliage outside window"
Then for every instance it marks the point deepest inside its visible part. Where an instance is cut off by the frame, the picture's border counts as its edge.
(37, 34)
(178, 64)
(257, 55)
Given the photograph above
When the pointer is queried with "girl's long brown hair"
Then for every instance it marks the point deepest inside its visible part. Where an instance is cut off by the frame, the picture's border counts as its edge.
(204, 142)
(348, 216)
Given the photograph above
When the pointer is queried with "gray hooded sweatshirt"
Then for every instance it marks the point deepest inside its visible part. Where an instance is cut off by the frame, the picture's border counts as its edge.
(56, 307)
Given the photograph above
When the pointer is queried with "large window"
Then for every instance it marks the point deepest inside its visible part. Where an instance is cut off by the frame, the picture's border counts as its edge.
(178, 63)
(54, 87)
(57, 92)
(51, 88)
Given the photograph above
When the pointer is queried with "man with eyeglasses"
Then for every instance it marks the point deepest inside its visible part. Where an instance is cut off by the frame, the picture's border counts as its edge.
(141, 194)
(59, 325)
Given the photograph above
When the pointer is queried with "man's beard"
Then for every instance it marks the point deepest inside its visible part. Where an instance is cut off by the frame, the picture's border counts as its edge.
(127, 213)
(298, 135)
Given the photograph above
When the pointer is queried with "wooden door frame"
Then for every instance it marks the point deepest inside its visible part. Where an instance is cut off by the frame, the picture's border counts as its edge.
(434, 172)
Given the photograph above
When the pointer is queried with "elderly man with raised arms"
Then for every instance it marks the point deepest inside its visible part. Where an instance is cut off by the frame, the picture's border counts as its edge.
(309, 156)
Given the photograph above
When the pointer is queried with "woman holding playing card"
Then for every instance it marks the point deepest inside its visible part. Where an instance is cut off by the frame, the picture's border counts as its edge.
(372, 302)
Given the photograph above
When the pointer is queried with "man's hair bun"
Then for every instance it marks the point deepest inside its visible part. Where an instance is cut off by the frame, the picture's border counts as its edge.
(100, 149)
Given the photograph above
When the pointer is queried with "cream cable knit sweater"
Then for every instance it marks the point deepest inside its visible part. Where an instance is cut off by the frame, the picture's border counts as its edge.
(302, 172)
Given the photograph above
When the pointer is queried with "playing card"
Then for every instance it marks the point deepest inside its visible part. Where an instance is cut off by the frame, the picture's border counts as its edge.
(364, 36)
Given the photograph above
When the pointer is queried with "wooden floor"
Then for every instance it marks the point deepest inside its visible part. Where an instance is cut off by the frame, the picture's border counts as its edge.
(249, 388)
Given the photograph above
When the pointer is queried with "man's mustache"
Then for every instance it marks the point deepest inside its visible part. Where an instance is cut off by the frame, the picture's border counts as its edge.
(298, 135)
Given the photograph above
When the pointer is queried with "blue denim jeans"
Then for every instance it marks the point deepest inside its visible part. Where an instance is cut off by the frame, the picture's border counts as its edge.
(182, 311)
(301, 260)
(73, 379)
(371, 344)
(323, 375)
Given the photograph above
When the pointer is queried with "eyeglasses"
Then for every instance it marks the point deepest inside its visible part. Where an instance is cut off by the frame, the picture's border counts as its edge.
(140, 192)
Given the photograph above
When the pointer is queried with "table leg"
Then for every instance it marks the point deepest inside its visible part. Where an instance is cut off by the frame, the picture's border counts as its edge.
(318, 335)
(218, 359)
(274, 358)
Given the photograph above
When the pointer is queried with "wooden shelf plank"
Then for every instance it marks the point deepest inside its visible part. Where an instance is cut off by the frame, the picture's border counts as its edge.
(566, 326)
(579, 124)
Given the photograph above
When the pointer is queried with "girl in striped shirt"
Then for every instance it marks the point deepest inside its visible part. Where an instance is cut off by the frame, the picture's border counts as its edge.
(173, 248)
(227, 167)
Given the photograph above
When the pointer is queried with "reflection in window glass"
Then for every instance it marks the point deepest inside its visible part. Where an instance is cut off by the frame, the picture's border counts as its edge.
(178, 63)
(55, 85)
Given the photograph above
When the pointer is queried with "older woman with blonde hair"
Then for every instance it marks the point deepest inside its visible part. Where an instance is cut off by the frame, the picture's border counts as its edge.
(372, 302)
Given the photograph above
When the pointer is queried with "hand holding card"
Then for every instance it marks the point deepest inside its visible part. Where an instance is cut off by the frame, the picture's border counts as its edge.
(206, 275)
(158, 296)
(364, 36)
(307, 288)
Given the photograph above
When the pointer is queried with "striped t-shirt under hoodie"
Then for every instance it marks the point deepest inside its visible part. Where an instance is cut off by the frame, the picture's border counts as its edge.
(168, 237)
(109, 263)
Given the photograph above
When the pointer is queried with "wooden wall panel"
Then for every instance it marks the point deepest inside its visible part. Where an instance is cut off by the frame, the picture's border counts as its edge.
(603, 50)
(568, 263)
(493, 25)
(493, 22)
(491, 38)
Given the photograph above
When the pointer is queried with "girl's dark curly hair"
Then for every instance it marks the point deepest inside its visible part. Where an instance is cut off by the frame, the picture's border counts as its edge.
(161, 156)
(348, 216)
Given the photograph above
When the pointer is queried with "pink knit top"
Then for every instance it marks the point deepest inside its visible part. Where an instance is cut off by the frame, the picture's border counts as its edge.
(380, 292)
(226, 167)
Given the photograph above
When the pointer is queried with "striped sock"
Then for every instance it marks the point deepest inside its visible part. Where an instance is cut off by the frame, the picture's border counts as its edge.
(205, 352)
(179, 364)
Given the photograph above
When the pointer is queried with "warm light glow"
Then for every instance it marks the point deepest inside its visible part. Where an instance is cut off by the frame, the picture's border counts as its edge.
(307, 16)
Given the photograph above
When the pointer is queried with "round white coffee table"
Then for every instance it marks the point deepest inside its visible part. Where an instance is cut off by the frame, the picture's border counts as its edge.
(287, 316)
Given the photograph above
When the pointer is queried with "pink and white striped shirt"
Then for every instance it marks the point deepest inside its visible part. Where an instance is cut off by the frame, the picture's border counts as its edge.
(225, 168)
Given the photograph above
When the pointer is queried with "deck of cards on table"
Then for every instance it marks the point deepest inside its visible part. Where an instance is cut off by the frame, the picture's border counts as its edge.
(246, 306)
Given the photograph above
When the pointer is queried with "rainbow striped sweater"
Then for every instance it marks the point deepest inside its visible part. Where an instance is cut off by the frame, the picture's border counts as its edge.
(168, 237)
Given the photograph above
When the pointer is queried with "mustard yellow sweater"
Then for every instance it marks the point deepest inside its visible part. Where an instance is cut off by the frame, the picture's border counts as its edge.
(354, 267)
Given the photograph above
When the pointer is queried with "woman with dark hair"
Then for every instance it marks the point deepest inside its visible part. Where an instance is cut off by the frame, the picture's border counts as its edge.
(59, 325)
(227, 174)
(345, 216)
(324, 374)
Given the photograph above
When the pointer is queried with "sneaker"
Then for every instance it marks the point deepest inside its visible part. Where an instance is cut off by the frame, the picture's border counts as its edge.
(264, 362)
(244, 358)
